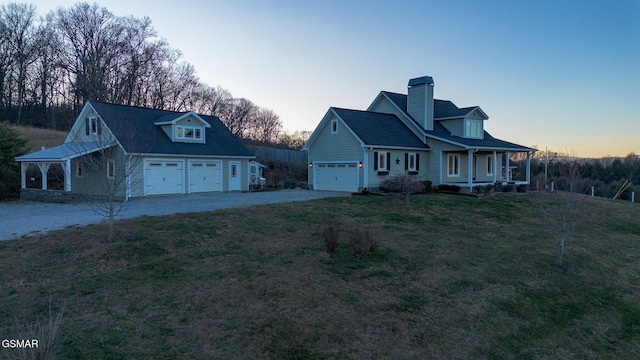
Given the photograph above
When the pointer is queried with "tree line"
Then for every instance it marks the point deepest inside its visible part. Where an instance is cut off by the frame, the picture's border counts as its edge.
(606, 175)
(50, 66)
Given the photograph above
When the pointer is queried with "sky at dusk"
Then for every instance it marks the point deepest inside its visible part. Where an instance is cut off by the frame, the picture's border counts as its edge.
(558, 74)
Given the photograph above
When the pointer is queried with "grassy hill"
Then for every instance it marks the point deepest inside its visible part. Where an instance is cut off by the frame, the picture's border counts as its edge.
(454, 277)
(38, 137)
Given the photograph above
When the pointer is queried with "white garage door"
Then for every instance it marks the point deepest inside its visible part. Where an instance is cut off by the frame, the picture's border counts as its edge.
(205, 176)
(338, 177)
(163, 177)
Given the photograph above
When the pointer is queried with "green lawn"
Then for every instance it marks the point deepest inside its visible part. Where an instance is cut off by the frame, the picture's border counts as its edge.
(455, 277)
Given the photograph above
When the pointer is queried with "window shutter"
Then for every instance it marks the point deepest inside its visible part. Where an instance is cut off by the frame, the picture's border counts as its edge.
(375, 160)
(99, 126)
(417, 161)
(388, 161)
(406, 161)
(86, 123)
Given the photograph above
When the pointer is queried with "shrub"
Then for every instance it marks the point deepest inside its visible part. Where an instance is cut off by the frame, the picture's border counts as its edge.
(11, 145)
(373, 240)
(358, 241)
(47, 332)
(402, 183)
(447, 187)
(428, 185)
(330, 234)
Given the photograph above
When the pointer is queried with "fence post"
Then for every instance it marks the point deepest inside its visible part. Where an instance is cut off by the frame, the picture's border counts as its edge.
(592, 191)
(633, 196)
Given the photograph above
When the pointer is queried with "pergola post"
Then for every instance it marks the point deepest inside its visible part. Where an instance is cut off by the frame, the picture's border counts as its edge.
(23, 174)
(44, 169)
(67, 175)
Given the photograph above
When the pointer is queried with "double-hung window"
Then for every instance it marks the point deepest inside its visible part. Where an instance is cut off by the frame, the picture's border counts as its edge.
(454, 165)
(111, 169)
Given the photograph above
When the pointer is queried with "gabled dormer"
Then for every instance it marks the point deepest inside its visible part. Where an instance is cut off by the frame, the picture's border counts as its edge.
(184, 127)
(465, 122)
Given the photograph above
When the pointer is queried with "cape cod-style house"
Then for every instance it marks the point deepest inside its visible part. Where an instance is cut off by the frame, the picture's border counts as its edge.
(352, 150)
(159, 152)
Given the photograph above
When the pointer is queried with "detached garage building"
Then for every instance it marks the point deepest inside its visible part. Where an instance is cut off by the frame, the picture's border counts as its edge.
(142, 152)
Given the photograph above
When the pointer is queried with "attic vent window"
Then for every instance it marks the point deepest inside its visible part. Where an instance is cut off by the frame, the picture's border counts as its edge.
(334, 126)
(93, 125)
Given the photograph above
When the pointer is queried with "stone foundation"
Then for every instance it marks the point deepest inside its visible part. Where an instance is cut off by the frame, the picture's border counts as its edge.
(54, 196)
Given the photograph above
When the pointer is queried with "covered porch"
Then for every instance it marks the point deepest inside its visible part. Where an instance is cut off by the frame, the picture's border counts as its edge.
(44, 161)
(482, 167)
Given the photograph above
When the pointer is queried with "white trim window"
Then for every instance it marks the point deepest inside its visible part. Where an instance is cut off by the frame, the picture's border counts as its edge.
(334, 126)
(473, 129)
(489, 164)
(383, 161)
(412, 162)
(189, 132)
(93, 125)
(79, 170)
(454, 165)
(111, 169)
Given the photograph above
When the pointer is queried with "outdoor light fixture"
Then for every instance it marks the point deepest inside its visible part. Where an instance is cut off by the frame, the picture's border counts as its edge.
(310, 164)
(360, 164)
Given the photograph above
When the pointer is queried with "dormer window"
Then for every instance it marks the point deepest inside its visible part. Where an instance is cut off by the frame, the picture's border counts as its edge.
(473, 129)
(188, 132)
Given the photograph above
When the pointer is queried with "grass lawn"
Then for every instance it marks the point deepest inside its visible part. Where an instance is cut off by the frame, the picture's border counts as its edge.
(455, 277)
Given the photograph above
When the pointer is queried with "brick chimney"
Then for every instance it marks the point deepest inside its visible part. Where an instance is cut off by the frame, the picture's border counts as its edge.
(420, 101)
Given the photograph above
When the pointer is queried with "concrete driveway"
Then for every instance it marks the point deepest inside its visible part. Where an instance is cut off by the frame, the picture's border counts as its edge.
(30, 218)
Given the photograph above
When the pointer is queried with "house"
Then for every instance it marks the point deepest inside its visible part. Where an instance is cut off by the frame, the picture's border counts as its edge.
(154, 151)
(430, 139)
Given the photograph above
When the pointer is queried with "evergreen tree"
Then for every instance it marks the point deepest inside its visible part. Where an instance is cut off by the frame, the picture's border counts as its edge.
(11, 145)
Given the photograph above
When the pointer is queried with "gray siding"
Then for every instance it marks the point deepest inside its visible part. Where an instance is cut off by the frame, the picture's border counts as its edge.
(396, 169)
(438, 166)
(341, 146)
(94, 181)
(456, 127)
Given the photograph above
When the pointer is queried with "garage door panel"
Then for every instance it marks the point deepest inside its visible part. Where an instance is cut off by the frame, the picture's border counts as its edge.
(336, 176)
(205, 176)
(163, 177)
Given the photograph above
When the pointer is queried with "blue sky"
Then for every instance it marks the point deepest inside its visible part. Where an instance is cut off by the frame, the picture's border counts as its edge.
(558, 74)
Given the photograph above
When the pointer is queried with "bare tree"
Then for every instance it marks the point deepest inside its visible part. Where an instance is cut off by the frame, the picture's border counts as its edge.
(266, 126)
(568, 212)
(108, 171)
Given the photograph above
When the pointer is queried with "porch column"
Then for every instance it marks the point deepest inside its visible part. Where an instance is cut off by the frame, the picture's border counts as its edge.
(365, 169)
(495, 166)
(470, 170)
(44, 169)
(23, 174)
(440, 167)
(506, 168)
(67, 174)
(528, 168)
(127, 193)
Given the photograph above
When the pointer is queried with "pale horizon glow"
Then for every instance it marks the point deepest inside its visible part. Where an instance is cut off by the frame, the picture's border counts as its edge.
(560, 75)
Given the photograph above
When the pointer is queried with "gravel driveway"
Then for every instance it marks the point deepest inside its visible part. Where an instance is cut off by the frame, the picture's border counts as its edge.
(29, 218)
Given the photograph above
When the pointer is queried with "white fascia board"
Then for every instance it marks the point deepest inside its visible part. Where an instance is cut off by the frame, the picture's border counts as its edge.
(75, 128)
(466, 147)
(395, 148)
(329, 114)
(183, 116)
(212, 157)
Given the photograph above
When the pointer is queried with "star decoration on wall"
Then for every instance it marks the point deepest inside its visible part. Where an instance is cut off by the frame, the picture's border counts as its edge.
(397, 161)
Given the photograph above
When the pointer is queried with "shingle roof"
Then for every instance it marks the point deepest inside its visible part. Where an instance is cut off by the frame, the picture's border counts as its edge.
(446, 109)
(378, 129)
(135, 130)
